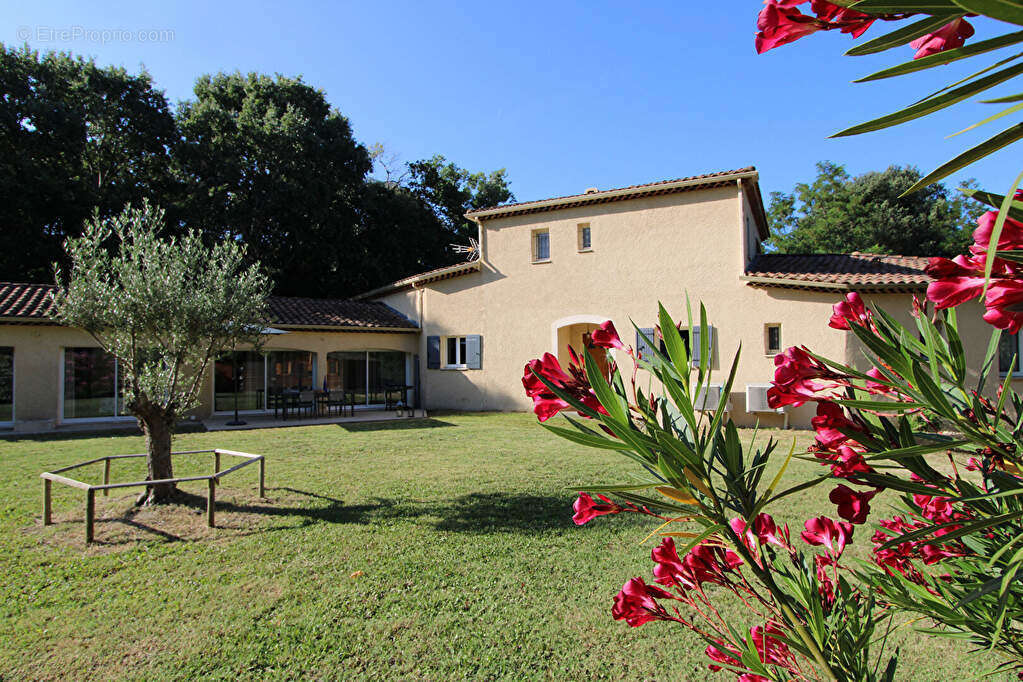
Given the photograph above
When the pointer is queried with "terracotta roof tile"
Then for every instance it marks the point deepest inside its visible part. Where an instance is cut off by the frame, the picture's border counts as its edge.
(859, 271)
(31, 303)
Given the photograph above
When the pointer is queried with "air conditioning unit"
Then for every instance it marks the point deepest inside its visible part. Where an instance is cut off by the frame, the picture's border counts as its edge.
(709, 397)
(756, 401)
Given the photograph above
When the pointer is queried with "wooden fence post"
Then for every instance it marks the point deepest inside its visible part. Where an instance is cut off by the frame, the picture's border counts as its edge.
(47, 503)
(216, 461)
(262, 477)
(211, 501)
(106, 476)
(90, 513)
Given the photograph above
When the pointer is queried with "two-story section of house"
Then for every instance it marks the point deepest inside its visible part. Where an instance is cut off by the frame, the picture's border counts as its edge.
(549, 271)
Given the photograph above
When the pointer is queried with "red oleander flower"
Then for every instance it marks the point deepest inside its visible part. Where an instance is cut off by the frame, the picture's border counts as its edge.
(952, 34)
(832, 535)
(830, 417)
(606, 336)
(780, 22)
(636, 603)
(1010, 238)
(848, 462)
(851, 310)
(1004, 303)
(545, 403)
(703, 564)
(586, 509)
(763, 531)
(715, 653)
(853, 506)
(822, 562)
(796, 375)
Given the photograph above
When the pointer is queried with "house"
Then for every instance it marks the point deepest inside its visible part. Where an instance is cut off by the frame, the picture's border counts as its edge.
(547, 272)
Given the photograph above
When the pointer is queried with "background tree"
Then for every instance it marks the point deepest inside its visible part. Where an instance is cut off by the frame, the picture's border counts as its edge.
(75, 138)
(450, 191)
(164, 308)
(837, 213)
(267, 160)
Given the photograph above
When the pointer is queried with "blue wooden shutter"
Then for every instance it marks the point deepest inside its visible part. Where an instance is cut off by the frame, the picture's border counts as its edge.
(474, 351)
(432, 352)
(695, 350)
(643, 347)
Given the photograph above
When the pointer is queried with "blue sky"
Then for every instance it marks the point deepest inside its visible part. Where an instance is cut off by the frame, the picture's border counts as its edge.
(564, 95)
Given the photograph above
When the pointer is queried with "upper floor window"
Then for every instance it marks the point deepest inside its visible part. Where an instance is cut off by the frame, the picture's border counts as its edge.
(541, 246)
(585, 237)
(772, 339)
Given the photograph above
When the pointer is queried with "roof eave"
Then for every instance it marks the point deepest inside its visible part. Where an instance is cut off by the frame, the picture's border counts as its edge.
(609, 195)
(877, 287)
(421, 278)
(346, 328)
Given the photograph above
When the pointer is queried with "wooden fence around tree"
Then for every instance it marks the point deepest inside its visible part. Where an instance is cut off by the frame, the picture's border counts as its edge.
(50, 477)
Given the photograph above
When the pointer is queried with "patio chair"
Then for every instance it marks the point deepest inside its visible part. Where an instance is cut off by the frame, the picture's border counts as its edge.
(339, 399)
(306, 401)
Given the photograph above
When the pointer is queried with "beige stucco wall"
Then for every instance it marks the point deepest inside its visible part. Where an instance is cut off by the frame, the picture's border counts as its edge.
(644, 251)
(38, 357)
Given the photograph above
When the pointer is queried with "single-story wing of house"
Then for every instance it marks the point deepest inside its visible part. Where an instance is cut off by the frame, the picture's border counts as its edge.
(545, 274)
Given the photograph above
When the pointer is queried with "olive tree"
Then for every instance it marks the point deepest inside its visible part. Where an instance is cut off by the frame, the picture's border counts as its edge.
(164, 307)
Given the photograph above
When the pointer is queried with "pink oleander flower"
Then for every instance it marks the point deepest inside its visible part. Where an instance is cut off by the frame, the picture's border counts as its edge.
(780, 22)
(796, 375)
(586, 509)
(1010, 238)
(606, 336)
(822, 563)
(1004, 303)
(830, 417)
(952, 34)
(851, 310)
(832, 535)
(853, 506)
(636, 603)
(545, 403)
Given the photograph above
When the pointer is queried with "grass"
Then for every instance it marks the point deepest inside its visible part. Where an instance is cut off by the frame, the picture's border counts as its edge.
(428, 549)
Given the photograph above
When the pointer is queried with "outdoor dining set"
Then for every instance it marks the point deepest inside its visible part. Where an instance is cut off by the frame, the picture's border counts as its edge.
(323, 403)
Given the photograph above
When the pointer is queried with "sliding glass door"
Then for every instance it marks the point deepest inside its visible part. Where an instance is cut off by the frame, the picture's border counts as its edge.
(251, 382)
(368, 374)
(6, 385)
(91, 388)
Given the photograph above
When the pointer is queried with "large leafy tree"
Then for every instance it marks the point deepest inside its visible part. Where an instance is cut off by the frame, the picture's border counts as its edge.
(267, 161)
(74, 138)
(164, 307)
(838, 213)
(450, 191)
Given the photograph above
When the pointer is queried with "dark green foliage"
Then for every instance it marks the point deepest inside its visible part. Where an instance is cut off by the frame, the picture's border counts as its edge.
(837, 213)
(74, 138)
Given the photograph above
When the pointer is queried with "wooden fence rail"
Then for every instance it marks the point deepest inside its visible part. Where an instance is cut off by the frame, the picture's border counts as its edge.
(51, 477)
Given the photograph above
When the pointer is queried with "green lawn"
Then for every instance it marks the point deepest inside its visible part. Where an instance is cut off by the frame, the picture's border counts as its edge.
(433, 549)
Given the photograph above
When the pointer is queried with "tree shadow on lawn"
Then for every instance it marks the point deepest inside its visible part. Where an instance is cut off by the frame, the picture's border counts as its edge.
(184, 521)
(393, 425)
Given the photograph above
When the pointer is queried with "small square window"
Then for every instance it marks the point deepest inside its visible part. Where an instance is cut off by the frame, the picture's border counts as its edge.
(585, 238)
(541, 246)
(772, 339)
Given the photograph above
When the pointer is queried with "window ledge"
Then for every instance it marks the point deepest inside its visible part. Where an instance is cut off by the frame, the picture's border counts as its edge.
(541, 262)
(455, 367)
(589, 250)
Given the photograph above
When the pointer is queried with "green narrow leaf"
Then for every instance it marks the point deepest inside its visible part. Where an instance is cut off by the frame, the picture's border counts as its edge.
(995, 201)
(903, 35)
(880, 405)
(917, 450)
(945, 57)
(583, 439)
(889, 7)
(971, 155)
(996, 231)
(1003, 10)
(1003, 100)
(929, 106)
(672, 340)
(995, 117)
(611, 401)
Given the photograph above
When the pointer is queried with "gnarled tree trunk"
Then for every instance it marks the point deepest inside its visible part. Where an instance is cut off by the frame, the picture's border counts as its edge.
(158, 426)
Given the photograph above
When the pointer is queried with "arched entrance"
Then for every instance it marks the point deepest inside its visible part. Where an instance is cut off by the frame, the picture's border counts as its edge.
(569, 331)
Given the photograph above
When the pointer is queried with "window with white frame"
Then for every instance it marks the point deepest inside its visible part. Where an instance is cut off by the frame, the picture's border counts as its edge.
(6, 385)
(585, 237)
(541, 246)
(1009, 355)
(455, 351)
